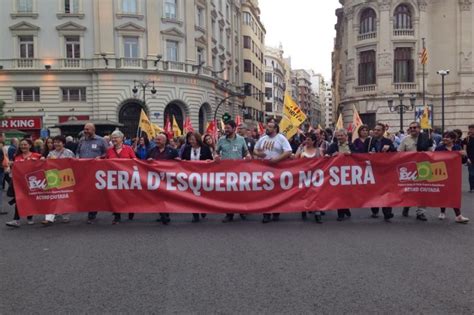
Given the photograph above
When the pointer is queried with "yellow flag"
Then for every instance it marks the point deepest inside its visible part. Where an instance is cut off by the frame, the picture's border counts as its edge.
(157, 128)
(319, 127)
(356, 123)
(340, 123)
(425, 119)
(176, 131)
(293, 117)
(287, 128)
(146, 126)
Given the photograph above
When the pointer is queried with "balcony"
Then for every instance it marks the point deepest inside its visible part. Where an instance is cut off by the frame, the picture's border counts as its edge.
(365, 88)
(71, 63)
(174, 66)
(404, 86)
(26, 63)
(366, 36)
(404, 33)
(131, 63)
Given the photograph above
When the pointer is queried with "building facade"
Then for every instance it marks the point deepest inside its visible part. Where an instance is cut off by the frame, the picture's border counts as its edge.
(253, 37)
(318, 88)
(306, 97)
(96, 60)
(328, 108)
(275, 82)
(376, 57)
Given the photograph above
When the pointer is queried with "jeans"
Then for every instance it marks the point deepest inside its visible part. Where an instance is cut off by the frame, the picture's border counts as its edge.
(387, 212)
(470, 167)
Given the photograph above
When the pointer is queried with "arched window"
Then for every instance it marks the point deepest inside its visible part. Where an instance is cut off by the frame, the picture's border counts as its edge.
(367, 22)
(367, 74)
(402, 18)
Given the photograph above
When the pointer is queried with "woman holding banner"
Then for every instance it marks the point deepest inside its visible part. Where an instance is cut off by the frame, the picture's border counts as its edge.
(118, 150)
(196, 151)
(449, 144)
(309, 150)
(24, 153)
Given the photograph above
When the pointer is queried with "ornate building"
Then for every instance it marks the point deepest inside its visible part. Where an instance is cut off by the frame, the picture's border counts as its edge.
(275, 81)
(376, 56)
(87, 59)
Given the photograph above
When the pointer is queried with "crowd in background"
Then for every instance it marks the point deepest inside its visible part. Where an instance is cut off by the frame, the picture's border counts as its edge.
(234, 143)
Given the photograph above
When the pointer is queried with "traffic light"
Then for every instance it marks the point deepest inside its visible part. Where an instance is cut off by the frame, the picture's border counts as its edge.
(226, 117)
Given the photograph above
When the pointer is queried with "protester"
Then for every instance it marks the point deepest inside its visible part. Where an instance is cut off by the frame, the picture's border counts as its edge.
(59, 152)
(119, 150)
(70, 144)
(209, 141)
(38, 146)
(379, 144)
(232, 147)
(416, 142)
(341, 146)
(25, 153)
(142, 147)
(309, 150)
(91, 146)
(273, 147)
(4, 170)
(323, 142)
(244, 132)
(163, 151)
(185, 144)
(359, 143)
(449, 144)
(468, 145)
(48, 147)
(196, 151)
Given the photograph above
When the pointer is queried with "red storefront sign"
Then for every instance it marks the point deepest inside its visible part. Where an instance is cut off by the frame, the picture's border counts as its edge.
(21, 123)
(63, 119)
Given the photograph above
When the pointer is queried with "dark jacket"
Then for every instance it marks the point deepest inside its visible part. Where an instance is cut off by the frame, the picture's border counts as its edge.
(371, 145)
(205, 153)
(334, 147)
(424, 143)
(168, 153)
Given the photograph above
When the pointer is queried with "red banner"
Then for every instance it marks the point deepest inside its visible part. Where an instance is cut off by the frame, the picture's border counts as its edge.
(21, 123)
(355, 181)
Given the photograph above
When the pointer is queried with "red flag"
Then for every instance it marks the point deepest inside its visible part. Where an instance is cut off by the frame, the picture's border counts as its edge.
(238, 120)
(349, 128)
(188, 127)
(212, 129)
(168, 129)
(261, 129)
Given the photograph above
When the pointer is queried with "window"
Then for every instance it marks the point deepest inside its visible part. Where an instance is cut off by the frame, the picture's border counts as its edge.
(221, 35)
(200, 17)
(247, 65)
(268, 77)
(402, 18)
(403, 66)
(71, 6)
(367, 22)
(26, 47)
(27, 94)
(247, 42)
(367, 68)
(74, 94)
(73, 47)
(24, 6)
(200, 55)
(268, 92)
(228, 42)
(130, 47)
(170, 9)
(129, 6)
(247, 18)
(172, 50)
(214, 62)
(213, 25)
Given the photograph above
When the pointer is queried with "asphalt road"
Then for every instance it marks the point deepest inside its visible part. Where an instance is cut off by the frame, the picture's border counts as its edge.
(359, 266)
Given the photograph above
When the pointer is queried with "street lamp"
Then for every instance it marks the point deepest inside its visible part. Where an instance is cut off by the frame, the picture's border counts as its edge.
(144, 85)
(442, 73)
(402, 108)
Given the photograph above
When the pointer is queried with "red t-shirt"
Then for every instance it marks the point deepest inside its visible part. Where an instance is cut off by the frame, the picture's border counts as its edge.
(33, 156)
(125, 153)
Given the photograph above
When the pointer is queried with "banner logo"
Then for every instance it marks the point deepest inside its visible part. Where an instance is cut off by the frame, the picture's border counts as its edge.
(50, 179)
(423, 171)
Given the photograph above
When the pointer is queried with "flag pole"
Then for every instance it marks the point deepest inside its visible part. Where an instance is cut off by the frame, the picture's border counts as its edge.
(423, 62)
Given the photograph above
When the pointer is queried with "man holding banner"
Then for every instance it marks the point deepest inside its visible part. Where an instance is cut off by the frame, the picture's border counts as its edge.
(273, 147)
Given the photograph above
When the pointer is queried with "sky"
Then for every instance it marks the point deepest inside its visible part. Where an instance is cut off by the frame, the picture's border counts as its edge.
(305, 28)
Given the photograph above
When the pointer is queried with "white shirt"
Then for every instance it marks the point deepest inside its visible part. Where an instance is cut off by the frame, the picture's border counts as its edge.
(273, 147)
(195, 154)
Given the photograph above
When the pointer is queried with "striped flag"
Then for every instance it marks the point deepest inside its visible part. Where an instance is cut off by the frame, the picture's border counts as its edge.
(424, 56)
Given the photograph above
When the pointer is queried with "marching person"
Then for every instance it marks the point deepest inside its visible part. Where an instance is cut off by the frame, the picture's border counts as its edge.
(309, 150)
(163, 151)
(244, 132)
(468, 144)
(416, 142)
(196, 151)
(448, 144)
(119, 150)
(25, 153)
(142, 147)
(359, 143)
(231, 146)
(209, 141)
(341, 146)
(59, 152)
(91, 146)
(273, 147)
(379, 144)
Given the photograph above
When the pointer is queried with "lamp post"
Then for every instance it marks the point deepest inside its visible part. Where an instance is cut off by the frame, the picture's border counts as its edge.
(402, 108)
(442, 73)
(143, 85)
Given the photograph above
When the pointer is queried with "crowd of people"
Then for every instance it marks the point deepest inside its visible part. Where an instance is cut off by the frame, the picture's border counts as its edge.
(237, 143)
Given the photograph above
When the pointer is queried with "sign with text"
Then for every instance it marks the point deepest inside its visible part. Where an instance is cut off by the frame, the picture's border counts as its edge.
(357, 181)
(21, 123)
